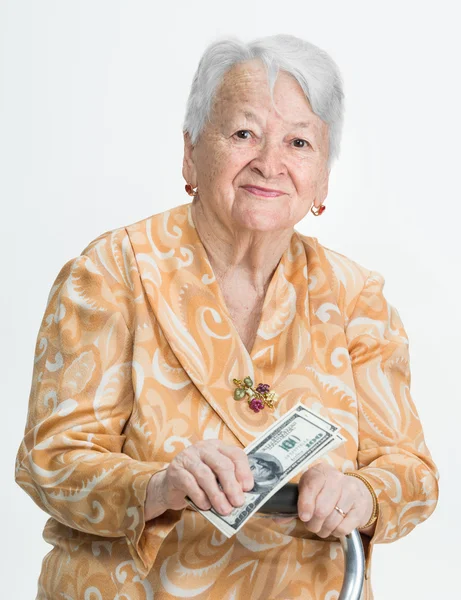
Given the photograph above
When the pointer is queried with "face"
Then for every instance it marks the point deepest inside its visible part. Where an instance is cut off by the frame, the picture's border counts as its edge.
(248, 143)
(260, 469)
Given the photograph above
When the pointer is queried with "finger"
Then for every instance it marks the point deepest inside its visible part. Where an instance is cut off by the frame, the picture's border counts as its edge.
(187, 484)
(224, 469)
(349, 523)
(328, 497)
(206, 479)
(310, 485)
(330, 524)
(325, 502)
(243, 472)
(335, 518)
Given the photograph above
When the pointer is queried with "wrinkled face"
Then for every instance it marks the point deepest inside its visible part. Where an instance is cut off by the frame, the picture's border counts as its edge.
(260, 468)
(248, 143)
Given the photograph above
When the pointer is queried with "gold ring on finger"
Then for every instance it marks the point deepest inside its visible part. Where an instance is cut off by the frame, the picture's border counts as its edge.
(340, 511)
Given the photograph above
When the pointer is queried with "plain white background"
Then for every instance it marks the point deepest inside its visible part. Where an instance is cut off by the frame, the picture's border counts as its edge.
(92, 98)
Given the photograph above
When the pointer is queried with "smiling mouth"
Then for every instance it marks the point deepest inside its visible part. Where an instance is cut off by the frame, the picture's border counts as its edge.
(263, 193)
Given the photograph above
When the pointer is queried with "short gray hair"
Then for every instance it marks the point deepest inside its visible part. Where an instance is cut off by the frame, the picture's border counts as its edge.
(313, 68)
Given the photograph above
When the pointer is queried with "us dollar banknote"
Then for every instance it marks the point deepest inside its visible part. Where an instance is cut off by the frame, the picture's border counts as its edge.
(287, 447)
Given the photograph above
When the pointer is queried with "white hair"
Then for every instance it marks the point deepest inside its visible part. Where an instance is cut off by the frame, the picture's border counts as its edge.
(313, 68)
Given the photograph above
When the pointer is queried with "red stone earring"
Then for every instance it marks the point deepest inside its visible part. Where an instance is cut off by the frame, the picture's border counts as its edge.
(190, 190)
(319, 211)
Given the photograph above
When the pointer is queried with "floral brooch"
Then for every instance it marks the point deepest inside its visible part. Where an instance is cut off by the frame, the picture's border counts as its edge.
(257, 398)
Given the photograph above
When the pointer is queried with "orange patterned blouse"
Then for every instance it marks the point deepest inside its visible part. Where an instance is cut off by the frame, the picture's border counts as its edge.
(134, 361)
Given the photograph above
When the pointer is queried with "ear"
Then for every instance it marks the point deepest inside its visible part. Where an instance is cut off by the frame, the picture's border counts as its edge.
(188, 167)
(322, 189)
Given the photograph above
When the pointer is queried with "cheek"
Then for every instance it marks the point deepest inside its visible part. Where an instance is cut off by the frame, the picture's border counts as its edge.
(306, 176)
(226, 167)
(307, 182)
(224, 161)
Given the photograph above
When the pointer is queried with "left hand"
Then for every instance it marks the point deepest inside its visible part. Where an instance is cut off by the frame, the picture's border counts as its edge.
(321, 488)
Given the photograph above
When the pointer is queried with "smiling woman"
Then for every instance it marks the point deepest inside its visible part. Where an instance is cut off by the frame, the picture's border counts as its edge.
(249, 145)
(147, 332)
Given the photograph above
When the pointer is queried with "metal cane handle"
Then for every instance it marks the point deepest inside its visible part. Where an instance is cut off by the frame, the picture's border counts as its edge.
(284, 503)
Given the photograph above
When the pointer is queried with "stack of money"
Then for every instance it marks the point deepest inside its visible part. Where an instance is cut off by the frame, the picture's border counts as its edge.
(286, 448)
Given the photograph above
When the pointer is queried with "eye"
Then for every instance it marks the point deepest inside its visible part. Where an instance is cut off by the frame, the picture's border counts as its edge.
(242, 131)
(306, 143)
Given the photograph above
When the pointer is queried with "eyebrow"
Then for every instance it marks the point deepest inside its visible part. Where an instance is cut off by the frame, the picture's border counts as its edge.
(252, 117)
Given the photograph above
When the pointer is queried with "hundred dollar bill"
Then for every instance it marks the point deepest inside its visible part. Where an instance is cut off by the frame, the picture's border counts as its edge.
(288, 446)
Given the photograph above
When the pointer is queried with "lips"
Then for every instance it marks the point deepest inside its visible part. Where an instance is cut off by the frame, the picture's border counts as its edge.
(259, 191)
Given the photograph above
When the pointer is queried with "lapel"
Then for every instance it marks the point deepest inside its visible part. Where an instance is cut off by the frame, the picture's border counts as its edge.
(188, 305)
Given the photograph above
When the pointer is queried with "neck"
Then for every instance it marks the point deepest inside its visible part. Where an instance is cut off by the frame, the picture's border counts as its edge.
(249, 256)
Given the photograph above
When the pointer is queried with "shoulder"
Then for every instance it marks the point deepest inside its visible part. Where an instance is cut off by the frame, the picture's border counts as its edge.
(112, 251)
(163, 225)
(115, 250)
(108, 268)
(345, 276)
(110, 254)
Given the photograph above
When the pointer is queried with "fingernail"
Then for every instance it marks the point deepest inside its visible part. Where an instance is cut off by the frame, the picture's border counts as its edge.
(304, 516)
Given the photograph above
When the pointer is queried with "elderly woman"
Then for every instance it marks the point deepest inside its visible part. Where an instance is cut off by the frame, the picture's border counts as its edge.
(132, 403)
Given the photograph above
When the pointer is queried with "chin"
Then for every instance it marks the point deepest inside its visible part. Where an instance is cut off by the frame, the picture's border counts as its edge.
(262, 218)
(264, 225)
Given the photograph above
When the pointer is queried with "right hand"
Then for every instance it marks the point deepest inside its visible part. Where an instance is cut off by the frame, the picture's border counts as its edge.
(193, 473)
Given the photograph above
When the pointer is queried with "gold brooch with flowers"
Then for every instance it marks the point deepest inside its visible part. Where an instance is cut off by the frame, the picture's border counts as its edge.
(257, 398)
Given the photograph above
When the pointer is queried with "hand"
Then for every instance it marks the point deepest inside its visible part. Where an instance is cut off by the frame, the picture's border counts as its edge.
(193, 473)
(321, 488)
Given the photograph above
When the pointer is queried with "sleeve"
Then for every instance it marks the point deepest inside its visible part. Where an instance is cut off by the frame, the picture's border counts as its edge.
(392, 452)
(70, 461)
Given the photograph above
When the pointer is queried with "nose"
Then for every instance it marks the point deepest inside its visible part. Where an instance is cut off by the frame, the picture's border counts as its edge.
(269, 162)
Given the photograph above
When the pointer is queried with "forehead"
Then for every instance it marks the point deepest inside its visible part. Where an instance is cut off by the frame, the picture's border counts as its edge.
(259, 461)
(245, 89)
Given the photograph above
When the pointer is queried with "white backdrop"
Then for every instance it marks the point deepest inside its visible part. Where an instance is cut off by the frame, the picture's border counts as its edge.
(92, 98)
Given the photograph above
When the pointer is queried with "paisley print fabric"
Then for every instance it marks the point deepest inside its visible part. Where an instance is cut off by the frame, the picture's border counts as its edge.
(134, 361)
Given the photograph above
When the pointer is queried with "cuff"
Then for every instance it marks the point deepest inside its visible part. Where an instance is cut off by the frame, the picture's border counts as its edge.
(145, 538)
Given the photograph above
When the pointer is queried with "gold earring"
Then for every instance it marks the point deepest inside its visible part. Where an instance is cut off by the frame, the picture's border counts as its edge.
(190, 190)
(319, 211)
